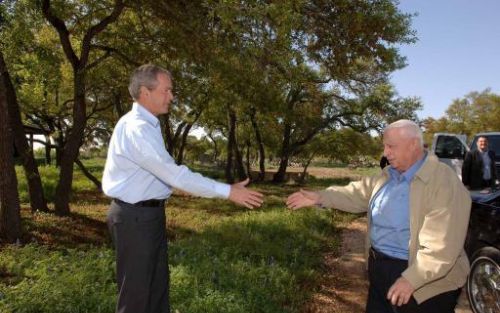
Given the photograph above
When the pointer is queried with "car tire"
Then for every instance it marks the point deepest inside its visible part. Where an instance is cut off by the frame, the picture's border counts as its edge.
(483, 283)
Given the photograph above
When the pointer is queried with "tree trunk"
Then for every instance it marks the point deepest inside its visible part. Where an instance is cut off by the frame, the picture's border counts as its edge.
(302, 176)
(185, 133)
(231, 141)
(248, 167)
(35, 189)
(48, 146)
(216, 147)
(72, 146)
(279, 177)
(59, 147)
(169, 138)
(240, 167)
(119, 107)
(260, 144)
(10, 215)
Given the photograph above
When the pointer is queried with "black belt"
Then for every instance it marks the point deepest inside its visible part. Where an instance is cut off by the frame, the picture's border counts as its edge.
(152, 203)
(377, 255)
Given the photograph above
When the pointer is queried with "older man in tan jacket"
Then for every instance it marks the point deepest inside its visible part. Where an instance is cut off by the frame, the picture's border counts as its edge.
(418, 212)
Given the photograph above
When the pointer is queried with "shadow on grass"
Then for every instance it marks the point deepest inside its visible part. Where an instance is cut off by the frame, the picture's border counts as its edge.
(75, 230)
(327, 182)
(93, 196)
(262, 262)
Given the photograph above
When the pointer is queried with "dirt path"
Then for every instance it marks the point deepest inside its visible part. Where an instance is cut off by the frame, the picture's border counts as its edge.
(344, 287)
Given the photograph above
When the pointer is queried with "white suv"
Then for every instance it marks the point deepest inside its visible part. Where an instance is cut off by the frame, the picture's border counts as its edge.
(451, 148)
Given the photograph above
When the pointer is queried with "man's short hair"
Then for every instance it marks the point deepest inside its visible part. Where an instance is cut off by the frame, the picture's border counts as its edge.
(145, 75)
(410, 129)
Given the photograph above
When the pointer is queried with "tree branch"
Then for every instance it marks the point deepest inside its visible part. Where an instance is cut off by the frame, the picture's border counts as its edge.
(63, 32)
(99, 60)
(96, 29)
(117, 52)
(88, 174)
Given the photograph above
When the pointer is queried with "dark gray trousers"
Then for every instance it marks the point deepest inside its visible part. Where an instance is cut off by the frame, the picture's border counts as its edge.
(140, 241)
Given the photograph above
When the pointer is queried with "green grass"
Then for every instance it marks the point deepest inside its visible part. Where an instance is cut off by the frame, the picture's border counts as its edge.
(223, 258)
(66, 280)
(50, 177)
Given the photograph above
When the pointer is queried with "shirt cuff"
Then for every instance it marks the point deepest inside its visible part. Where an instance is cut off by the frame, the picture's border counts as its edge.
(222, 190)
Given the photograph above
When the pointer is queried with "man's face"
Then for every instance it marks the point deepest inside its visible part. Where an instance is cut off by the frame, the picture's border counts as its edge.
(482, 144)
(158, 99)
(401, 151)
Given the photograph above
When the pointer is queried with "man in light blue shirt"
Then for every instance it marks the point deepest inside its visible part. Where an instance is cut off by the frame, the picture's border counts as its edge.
(139, 175)
(418, 212)
(390, 231)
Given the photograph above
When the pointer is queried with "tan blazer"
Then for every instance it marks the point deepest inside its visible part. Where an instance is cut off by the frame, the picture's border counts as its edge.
(439, 216)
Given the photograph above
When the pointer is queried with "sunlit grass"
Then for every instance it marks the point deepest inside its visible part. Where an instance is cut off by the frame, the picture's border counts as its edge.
(223, 258)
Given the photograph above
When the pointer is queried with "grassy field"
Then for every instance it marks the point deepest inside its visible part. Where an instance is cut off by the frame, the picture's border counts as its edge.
(222, 258)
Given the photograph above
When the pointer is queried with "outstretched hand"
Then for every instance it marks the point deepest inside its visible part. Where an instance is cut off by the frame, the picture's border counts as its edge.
(241, 195)
(302, 199)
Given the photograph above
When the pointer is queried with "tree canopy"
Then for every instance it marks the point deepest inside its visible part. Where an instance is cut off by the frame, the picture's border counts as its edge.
(474, 113)
(266, 78)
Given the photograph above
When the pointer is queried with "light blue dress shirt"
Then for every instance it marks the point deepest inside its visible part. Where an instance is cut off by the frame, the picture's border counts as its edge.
(486, 164)
(138, 166)
(390, 210)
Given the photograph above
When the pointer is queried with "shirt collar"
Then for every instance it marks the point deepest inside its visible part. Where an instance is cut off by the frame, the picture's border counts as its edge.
(409, 173)
(144, 113)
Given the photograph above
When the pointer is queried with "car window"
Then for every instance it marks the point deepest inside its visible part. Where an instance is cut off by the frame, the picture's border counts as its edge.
(449, 147)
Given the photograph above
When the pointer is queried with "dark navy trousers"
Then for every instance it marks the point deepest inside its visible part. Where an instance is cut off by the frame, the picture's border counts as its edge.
(383, 271)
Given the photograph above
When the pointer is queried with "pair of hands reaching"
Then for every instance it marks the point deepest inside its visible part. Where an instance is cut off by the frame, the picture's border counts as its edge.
(241, 195)
(399, 293)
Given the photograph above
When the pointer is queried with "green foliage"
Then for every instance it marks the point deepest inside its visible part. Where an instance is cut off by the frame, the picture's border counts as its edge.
(300, 67)
(344, 145)
(41, 280)
(475, 112)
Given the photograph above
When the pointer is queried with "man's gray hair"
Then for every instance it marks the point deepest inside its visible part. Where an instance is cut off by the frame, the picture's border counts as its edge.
(410, 129)
(145, 75)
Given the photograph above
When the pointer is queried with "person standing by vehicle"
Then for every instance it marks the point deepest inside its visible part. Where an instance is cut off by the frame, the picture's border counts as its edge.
(139, 175)
(418, 213)
(478, 170)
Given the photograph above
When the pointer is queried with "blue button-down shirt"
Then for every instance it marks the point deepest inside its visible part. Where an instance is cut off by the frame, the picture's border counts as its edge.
(486, 164)
(390, 210)
(138, 166)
